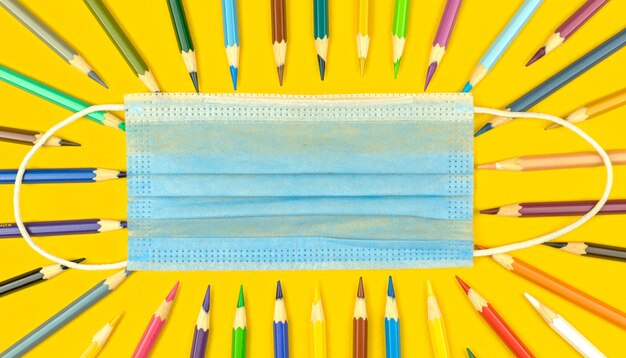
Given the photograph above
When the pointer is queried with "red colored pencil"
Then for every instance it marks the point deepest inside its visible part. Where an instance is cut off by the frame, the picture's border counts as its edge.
(495, 321)
(155, 325)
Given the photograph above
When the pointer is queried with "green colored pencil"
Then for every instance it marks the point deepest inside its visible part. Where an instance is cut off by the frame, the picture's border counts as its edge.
(122, 43)
(238, 349)
(320, 33)
(183, 37)
(399, 31)
(57, 97)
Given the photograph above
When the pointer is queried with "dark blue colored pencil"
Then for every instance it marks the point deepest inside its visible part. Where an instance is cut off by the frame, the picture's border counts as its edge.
(61, 175)
(281, 336)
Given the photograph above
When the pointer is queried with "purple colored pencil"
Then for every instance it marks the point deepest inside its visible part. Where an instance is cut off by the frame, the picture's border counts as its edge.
(66, 227)
(442, 37)
(201, 331)
(568, 28)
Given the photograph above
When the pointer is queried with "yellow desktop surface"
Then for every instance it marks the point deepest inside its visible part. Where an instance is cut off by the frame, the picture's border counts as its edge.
(148, 25)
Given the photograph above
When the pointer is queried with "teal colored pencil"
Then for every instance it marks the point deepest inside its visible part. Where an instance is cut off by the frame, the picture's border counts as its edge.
(502, 42)
(238, 348)
(57, 97)
(65, 315)
(392, 323)
(231, 37)
(320, 33)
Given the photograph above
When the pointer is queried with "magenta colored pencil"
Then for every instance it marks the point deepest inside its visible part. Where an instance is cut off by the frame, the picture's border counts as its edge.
(562, 208)
(155, 325)
(567, 29)
(442, 37)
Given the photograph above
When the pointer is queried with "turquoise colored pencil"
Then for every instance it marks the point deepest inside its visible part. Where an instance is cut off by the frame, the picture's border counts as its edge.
(57, 97)
(502, 42)
(392, 323)
(64, 316)
(238, 348)
(320, 33)
(231, 37)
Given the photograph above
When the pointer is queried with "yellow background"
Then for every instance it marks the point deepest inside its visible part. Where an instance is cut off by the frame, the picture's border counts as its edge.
(148, 24)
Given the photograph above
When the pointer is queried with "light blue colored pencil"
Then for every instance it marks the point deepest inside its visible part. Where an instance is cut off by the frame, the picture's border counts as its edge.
(65, 315)
(392, 324)
(231, 37)
(501, 44)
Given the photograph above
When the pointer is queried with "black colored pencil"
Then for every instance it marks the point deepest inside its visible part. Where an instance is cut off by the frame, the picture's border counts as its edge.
(32, 277)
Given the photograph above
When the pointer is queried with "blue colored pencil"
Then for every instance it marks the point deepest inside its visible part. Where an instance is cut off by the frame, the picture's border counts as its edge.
(65, 315)
(281, 327)
(392, 323)
(502, 42)
(201, 331)
(231, 37)
(562, 78)
(61, 175)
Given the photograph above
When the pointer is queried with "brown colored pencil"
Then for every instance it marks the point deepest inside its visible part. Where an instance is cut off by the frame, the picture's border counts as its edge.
(22, 136)
(359, 324)
(591, 250)
(279, 36)
(596, 108)
(557, 208)
(556, 161)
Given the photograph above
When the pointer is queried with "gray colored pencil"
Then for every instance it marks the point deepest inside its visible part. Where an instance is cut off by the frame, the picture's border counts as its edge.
(45, 34)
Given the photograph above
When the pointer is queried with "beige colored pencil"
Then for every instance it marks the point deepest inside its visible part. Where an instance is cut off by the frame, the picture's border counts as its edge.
(100, 338)
(595, 108)
(556, 161)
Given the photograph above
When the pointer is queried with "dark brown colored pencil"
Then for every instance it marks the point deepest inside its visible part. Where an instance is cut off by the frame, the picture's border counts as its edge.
(279, 36)
(22, 136)
(562, 208)
(591, 249)
(359, 324)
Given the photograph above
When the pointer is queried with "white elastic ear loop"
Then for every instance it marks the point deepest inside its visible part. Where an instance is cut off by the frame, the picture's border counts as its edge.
(18, 184)
(583, 219)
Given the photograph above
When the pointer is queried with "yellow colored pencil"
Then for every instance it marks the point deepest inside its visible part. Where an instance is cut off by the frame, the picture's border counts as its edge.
(319, 325)
(100, 338)
(436, 326)
(362, 37)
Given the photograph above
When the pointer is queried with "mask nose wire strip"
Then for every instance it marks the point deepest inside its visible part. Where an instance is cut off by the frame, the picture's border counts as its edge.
(583, 219)
(18, 182)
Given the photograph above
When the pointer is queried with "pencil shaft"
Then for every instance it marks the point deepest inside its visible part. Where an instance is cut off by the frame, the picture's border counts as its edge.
(605, 252)
(279, 20)
(69, 175)
(567, 208)
(392, 338)
(181, 28)
(400, 18)
(605, 104)
(281, 340)
(557, 161)
(578, 18)
(66, 227)
(26, 137)
(320, 19)
(446, 24)
(22, 281)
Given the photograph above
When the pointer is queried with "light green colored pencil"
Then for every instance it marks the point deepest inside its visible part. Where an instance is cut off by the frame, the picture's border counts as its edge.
(57, 97)
(399, 31)
(123, 44)
(238, 348)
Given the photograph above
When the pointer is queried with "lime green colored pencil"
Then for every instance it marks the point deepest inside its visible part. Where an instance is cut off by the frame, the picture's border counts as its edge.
(238, 349)
(399, 31)
(57, 97)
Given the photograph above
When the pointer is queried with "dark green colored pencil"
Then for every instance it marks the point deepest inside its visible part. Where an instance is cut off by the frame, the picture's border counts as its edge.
(183, 37)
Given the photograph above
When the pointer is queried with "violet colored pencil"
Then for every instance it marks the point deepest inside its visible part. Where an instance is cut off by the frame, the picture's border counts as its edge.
(65, 227)
(440, 43)
(568, 28)
(563, 208)
(201, 331)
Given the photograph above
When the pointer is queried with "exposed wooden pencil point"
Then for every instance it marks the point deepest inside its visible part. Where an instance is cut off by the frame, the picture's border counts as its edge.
(172, 293)
(465, 287)
(486, 166)
(281, 71)
(539, 54)
(194, 79)
(361, 291)
(94, 76)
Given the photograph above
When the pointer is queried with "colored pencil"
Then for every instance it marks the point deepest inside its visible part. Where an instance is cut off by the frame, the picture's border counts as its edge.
(238, 347)
(100, 338)
(359, 324)
(201, 330)
(595, 108)
(495, 321)
(362, 36)
(122, 43)
(231, 37)
(440, 43)
(399, 31)
(320, 33)
(392, 323)
(319, 325)
(50, 38)
(65, 315)
(436, 325)
(183, 38)
(565, 329)
(568, 28)
(556, 161)
(561, 288)
(57, 97)
(26, 137)
(469, 353)
(65, 227)
(502, 42)
(32, 277)
(560, 79)
(61, 175)
(281, 326)
(279, 36)
(556, 208)
(157, 321)
(590, 249)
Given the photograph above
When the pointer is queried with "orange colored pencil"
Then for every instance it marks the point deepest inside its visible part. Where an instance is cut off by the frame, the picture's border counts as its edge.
(595, 108)
(556, 161)
(562, 289)
(155, 325)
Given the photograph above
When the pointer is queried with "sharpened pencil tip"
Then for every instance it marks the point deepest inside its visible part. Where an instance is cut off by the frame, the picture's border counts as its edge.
(361, 291)
(94, 76)
(486, 128)
(68, 143)
(281, 72)
(322, 65)
(540, 53)
(194, 79)
(468, 87)
(469, 353)
(206, 303)
(77, 261)
(556, 245)
(121, 175)
(430, 73)
(480, 247)
(362, 66)
(396, 69)
(533, 301)
(123, 224)
(233, 76)
(390, 291)
(429, 288)
(116, 319)
(465, 287)
(552, 126)
(279, 290)
(486, 166)
(492, 211)
(172, 293)
(240, 302)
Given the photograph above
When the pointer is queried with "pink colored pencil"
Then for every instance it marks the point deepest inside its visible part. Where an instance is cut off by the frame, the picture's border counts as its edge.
(442, 37)
(567, 29)
(155, 325)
